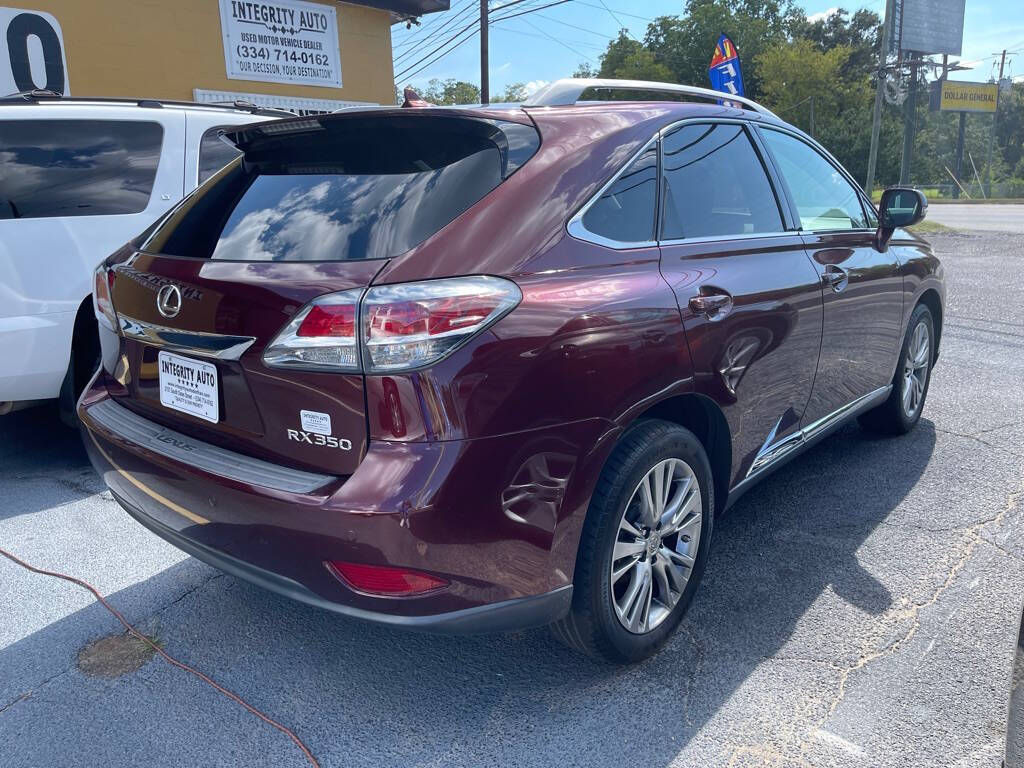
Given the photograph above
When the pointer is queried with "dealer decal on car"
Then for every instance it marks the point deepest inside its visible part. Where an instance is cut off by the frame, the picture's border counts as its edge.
(316, 430)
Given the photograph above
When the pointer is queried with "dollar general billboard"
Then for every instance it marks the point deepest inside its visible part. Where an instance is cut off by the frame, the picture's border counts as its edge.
(954, 96)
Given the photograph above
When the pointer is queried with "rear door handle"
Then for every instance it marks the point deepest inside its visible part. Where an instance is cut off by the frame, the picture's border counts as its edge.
(835, 277)
(713, 306)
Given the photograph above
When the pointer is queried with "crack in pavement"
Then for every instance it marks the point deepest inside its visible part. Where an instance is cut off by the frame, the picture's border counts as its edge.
(979, 440)
(972, 537)
(770, 755)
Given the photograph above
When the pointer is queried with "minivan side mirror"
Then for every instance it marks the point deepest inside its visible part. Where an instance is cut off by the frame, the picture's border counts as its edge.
(899, 207)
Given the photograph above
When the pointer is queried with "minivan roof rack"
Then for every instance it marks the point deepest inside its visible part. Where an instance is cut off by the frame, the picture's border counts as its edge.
(568, 90)
(34, 96)
(35, 93)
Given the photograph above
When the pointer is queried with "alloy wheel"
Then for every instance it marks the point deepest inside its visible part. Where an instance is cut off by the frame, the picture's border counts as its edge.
(656, 545)
(915, 369)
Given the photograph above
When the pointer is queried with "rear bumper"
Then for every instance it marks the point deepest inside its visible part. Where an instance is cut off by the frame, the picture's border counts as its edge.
(456, 509)
(517, 613)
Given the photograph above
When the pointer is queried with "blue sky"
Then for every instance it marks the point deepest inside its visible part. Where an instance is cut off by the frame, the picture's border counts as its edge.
(550, 43)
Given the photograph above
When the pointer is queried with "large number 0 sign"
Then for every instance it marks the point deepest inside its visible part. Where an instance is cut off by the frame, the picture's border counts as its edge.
(31, 52)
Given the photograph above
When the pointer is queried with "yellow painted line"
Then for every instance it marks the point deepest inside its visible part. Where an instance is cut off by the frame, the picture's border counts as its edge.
(149, 491)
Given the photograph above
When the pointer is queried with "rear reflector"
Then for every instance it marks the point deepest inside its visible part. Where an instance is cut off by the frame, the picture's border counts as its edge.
(384, 580)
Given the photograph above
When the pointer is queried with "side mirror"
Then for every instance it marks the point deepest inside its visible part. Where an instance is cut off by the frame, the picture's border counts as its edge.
(900, 207)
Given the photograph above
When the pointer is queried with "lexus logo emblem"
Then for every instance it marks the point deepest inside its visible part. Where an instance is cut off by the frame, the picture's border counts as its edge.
(168, 300)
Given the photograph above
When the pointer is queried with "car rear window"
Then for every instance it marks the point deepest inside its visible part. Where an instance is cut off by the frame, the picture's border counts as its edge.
(343, 189)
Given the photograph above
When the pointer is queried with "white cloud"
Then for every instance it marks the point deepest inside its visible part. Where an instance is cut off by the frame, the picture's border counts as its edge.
(504, 66)
(815, 17)
(533, 86)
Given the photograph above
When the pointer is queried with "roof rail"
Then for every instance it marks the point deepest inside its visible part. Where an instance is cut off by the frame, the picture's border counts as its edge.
(35, 93)
(568, 91)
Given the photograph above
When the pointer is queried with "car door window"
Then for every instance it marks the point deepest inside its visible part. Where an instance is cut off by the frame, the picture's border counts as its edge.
(214, 152)
(54, 168)
(625, 211)
(715, 184)
(824, 198)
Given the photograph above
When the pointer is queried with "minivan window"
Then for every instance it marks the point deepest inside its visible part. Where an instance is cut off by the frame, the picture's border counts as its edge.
(214, 152)
(715, 184)
(54, 168)
(625, 211)
(823, 197)
(358, 187)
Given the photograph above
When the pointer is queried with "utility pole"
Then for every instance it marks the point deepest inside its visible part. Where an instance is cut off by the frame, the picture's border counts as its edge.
(910, 123)
(992, 130)
(485, 85)
(876, 120)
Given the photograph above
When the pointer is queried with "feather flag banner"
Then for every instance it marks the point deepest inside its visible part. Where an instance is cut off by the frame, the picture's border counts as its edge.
(724, 70)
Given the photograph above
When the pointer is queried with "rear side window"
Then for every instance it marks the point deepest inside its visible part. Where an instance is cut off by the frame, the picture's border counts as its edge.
(356, 187)
(54, 168)
(715, 184)
(625, 210)
(214, 152)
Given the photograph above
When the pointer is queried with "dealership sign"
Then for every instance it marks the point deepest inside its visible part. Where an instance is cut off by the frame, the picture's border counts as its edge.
(31, 52)
(281, 41)
(955, 96)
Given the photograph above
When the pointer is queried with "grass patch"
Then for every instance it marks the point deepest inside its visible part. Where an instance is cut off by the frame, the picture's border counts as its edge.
(931, 228)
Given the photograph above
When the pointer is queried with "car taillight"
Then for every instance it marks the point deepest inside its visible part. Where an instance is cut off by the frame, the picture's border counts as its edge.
(384, 580)
(103, 305)
(410, 325)
(397, 327)
(321, 336)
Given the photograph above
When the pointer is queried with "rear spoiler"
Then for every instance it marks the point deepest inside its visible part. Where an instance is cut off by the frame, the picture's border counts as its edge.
(516, 139)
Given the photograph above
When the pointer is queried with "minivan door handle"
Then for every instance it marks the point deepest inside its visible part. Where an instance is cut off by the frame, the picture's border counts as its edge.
(713, 306)
(835, 277)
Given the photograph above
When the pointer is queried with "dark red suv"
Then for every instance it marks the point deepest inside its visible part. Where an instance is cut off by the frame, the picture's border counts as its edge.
(483, 369)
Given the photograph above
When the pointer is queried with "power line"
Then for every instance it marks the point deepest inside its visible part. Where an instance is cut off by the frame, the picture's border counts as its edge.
(560, 42)
(621, 13)
(528, 10)
(427, 41)
(472, 27)
(616, 18)
(576, 26)
(410, 39)
(584, 43)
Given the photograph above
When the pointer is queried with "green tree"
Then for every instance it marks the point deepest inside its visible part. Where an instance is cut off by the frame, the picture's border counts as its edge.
(514, 92)
(630, 60)
(450, 91)
(686, 43)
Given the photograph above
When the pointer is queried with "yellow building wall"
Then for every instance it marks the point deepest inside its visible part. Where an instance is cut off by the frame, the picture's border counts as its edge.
(162, 49)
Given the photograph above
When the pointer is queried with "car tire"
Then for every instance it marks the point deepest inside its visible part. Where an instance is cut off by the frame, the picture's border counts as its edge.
(85, 359)
(600, 622)
(902, 409)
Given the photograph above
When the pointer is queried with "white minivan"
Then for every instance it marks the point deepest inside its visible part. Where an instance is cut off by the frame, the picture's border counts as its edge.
(78, 179)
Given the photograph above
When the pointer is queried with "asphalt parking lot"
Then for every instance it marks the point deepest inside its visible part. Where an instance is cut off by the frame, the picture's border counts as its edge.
(860, 608)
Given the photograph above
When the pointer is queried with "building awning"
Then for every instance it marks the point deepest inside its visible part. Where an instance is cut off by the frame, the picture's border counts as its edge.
(405, 8)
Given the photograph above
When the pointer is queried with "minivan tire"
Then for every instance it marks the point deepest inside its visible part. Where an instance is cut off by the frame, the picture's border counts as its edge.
(592, 625)
(891, 418)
